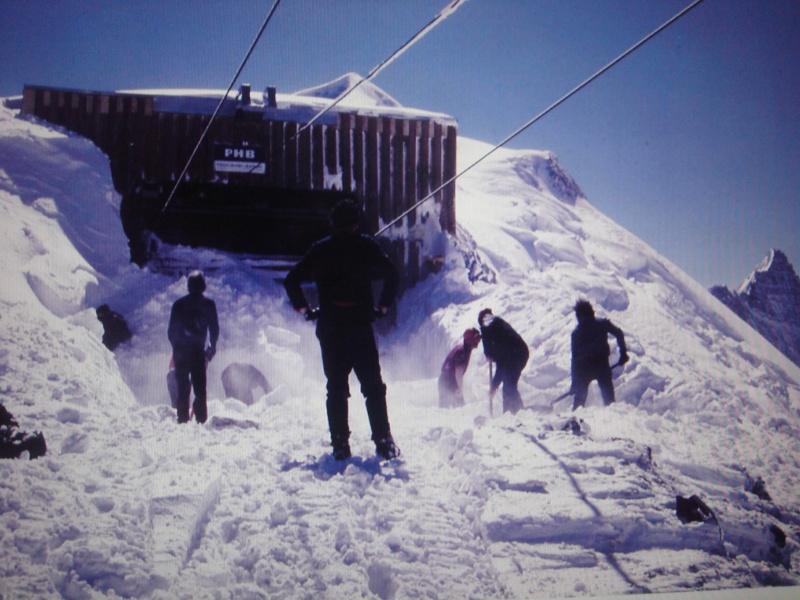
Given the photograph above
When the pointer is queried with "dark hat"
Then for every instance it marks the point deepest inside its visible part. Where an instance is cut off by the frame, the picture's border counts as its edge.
(583, 309)
(345, 214)
(483, 313)
(102, 309)
(472, 337)
(196, 282)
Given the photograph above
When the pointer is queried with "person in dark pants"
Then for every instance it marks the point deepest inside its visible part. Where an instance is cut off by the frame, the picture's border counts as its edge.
(590, 352)
(343, 267)
(193, 317)
(115, 329)
(451, 377)
(509, 352)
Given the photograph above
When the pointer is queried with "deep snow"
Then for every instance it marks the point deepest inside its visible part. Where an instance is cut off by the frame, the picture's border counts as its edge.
(251, 505)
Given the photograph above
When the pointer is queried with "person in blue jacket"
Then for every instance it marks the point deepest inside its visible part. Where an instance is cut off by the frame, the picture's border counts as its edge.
(193, 319)
(343, 267)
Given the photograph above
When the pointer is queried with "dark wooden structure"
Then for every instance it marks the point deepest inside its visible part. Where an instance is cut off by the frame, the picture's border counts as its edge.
(277, 207)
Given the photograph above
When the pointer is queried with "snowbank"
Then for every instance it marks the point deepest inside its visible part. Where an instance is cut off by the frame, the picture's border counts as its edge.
(128, 503)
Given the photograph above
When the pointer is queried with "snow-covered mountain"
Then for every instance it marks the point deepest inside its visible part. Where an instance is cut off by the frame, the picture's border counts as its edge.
(769, 301)
(365, 93)
(127, 503)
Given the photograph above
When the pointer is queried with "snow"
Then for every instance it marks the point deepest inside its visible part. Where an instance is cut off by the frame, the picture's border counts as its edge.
(301, 106)
(251, 505)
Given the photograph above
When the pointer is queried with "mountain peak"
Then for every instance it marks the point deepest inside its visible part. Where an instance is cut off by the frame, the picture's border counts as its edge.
(774, 267)
(367, 94)
(775, 259)
(769, 301)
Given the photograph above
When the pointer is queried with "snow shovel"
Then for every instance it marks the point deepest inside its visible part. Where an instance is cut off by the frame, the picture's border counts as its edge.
(571, 393)
(561, 397)
(491, 393)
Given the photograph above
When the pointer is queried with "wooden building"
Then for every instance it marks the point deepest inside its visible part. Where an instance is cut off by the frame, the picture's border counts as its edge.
(260, 183)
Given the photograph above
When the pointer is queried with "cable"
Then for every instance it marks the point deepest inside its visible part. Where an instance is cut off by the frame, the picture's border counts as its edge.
(550, 108)
(443, 14)
(219, 106)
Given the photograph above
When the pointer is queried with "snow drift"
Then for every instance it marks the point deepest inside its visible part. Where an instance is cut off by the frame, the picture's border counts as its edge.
(127, 503)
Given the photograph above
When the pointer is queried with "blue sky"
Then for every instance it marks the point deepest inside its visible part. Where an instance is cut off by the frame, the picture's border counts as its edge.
(692, 143)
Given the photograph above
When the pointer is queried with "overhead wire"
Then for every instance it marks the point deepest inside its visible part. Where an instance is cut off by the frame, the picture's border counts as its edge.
(452, 6)
(219, 105)
(546, 111)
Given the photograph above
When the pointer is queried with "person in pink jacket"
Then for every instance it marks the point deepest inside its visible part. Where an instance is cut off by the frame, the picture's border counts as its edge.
(451, 379)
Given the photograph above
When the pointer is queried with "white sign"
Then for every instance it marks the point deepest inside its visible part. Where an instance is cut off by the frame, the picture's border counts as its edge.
(239, 159)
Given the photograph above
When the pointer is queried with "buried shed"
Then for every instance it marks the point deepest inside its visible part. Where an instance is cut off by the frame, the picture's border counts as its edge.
(261, 184)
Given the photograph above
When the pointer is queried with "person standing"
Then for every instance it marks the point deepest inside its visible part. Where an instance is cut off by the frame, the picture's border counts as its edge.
(193, 319)
(343, 267)
(451, 378)
(590, 352)
(503, 346)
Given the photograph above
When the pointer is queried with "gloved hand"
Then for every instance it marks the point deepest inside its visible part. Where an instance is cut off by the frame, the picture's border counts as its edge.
(210, 352)
(311, 314)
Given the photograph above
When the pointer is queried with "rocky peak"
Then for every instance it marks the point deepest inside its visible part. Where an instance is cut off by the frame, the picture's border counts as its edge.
(769, 300)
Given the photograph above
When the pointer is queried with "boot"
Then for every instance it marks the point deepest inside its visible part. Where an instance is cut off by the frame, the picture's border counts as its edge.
(341, 447)
(386, 448)
(342, 452)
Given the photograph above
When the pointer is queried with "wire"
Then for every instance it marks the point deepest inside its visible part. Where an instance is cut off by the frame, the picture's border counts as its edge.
(219, 106)
(443, 14)
(550, 108)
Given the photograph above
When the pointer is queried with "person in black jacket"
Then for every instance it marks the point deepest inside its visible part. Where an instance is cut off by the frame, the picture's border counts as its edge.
(590, 352)
(193, 317)
(506, 348)
(343, 267)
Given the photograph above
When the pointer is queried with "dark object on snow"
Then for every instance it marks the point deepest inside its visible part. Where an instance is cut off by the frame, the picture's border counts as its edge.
(343, 266)
(218, 422)
(115, 329)
(193, 317)
(14, 442)
(779, 534)
(758, 487)
(590, 354)
(692, 509)
(240, 379)
(506, 348)
(573, 425)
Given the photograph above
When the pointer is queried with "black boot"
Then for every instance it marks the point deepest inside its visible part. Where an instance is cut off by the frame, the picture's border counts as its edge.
(342, 452)
(386, 448)
(341, 447)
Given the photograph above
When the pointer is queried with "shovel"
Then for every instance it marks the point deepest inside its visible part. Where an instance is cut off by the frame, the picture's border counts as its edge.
(572, 393)
(491, 393)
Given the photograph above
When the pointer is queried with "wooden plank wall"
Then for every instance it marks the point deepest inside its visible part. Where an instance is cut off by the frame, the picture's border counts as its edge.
(390, 163)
